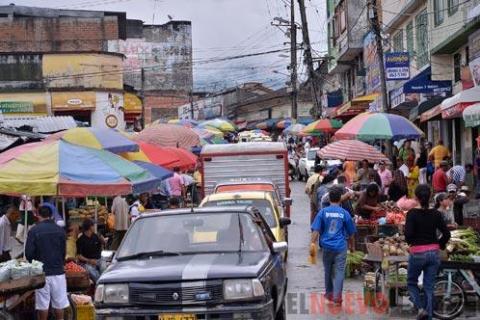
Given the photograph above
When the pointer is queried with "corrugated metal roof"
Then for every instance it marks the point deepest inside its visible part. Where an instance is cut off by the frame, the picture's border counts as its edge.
(253, 147)
(39, 124)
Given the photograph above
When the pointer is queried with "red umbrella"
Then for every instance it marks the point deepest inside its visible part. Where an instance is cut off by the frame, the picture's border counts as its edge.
(187, 159)
(352, 150)
(169, 135)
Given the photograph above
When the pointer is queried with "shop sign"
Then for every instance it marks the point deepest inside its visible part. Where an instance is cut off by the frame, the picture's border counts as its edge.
(454, 111)
(397, 97)
(371, 61)
(73, 100)
(397, 66)
(474, 45)
(427, 115)
(16, 106)
(475, 70)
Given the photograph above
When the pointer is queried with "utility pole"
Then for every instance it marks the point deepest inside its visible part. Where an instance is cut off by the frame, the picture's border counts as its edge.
(191, 105)
(308, 59)
(375, 23)
(142, 94)
(293, 59)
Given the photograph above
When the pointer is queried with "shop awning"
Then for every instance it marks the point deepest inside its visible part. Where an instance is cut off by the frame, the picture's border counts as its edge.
(132, 103)
(432, 113)
(471, 115)
(422, 83)
(74, 100)
(356, 105)
(425, 106)
(453, 107)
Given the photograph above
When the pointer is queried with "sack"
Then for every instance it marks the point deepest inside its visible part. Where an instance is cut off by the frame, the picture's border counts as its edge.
(111, 221)
(20, 270)
(4, 273)
(36, 268)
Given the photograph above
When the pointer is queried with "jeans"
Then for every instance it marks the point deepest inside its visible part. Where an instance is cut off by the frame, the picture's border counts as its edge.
(334, 264)
(428, 262)
(93, 271)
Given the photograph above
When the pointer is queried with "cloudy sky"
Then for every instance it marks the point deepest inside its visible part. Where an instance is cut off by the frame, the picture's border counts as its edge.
(221, 28)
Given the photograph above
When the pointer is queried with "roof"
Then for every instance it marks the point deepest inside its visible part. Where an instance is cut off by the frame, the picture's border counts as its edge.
(247, 147)
(192, 211)
(239, 195)
(45, 124)
(245, 181)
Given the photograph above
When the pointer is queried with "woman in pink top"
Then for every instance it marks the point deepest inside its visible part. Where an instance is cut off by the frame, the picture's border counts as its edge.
(385, 176)
(176, 184)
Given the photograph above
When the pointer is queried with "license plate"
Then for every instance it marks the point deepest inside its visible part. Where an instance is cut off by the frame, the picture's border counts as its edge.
(177, 316)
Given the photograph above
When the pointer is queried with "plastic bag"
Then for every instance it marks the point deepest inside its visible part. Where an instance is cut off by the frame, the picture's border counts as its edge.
(36, 268)
(20, 270)
(313, 254)
(4, 273)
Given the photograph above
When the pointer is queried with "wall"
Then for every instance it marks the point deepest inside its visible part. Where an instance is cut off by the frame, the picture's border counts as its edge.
(24, 102)
(165, 53)
(21, 71)
(109, 111)
(41, 34)
(92, 70)
(162, 107)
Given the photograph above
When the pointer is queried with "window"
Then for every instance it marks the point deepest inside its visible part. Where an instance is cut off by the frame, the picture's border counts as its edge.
(439, 11)
(421, 22)
(452, 7)
(342, 19)
(398, 42)
(410, 42)
(457, 66)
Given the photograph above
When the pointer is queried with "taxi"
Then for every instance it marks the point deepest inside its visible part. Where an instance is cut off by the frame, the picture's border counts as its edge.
(262, 200)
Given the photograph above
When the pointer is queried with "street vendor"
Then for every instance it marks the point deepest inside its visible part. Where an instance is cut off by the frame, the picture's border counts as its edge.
(444, 205)
(6, 221)
(459, 199)
(369, 201)
(89, 249)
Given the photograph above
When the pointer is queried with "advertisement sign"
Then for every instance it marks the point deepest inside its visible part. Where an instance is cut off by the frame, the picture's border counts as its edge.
(25, 102)
(397, 66)
(16, 106)
(372, 66)
(81, 100)
(109, 111)
(475, 70)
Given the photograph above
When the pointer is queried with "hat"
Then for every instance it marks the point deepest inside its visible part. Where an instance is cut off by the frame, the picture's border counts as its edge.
(452, 188)
(444, 163)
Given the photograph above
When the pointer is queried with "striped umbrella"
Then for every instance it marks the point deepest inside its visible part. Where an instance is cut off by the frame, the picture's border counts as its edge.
(56, 167)
(372, 126)
(168, 135)
(97, 138)
(321, 127)
(351, 150)
(285, 123)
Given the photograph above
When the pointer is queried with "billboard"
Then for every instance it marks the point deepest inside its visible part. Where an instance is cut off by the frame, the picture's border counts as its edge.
(397, 66)
(371, 61)
(475, 71)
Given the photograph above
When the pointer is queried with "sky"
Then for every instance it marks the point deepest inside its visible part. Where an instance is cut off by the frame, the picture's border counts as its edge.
(222, 28)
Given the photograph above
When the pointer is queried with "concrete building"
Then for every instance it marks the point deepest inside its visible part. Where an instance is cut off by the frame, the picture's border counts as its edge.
(159, 64)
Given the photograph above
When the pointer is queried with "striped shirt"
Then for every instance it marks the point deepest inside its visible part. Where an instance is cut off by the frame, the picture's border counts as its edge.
(457, 174)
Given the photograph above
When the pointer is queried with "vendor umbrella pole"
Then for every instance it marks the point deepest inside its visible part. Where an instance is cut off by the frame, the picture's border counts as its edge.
(96, 215)
(63, 210)
(25, 229)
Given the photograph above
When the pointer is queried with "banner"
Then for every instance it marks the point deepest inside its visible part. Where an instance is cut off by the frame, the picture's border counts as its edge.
(397, 66)
(371, 61)
(475, 70)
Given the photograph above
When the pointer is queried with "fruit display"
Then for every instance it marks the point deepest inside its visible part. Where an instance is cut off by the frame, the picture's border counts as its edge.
(389, 213)
(393, 246)
(88, 212)
(72, 267)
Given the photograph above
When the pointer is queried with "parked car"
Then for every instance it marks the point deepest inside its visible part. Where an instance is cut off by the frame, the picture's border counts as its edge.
(306, 164)
(205, 263)
(261, 200)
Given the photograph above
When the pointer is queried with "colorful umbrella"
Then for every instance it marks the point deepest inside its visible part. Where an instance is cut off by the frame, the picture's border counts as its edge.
(155, 170)
(294, 129)
(64, 169)
(153, 154)
(168, 135)
(321, 127)
(371, 126)
(208, 132)
(352, 150)
(187, 160)
(97, 138)
(212, 140)
(184, 122)
(220, 124)
(282, 124)
(267, 124)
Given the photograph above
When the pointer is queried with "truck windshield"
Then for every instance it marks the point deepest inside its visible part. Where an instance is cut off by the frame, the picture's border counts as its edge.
(264, 206)
(191, 234)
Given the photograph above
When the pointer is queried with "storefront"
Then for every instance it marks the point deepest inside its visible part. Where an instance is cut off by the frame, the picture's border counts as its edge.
(356, 106)
(133, 110)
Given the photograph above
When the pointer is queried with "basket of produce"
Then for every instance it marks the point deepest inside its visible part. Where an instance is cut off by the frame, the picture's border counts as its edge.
(77, 277)
(88, 212)
(463, 246)
(393, 246)
(354, 262)
(83, 306)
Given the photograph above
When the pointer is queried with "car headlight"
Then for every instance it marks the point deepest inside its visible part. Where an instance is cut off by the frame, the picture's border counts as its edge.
(242, 289)
(112, 293)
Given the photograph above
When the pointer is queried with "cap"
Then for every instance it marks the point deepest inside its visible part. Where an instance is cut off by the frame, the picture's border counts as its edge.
(452, 188)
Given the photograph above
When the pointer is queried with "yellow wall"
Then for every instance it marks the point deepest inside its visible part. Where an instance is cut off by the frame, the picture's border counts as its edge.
(73, 100)
(83, 71)
(38, 99)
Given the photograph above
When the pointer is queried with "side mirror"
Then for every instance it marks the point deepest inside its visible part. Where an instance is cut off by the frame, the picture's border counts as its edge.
(284, 221)
(280, 247)
(287, 202)
(107, 255)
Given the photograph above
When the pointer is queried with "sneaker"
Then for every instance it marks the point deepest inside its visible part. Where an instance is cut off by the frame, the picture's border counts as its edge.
(422, 314)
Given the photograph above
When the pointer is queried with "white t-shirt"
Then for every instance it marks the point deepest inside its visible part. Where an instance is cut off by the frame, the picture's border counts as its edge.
(404, 169)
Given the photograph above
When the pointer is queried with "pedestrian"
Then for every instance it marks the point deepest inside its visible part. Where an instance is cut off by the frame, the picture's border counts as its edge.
(398, 188)
(349, 171)
(422, 162)
(311, 188)
(362, 174)
(120, 210)
(412, 178)
(440, 179)
(322, 189)
(444, 205)
(89, 249)
(10, 217)
(405, 151)
(369, 200)
(46, 243)
(333, 225)
(136, 208)
(385, 176)
(421, 228)
(456, 175)
(470, 179)
(459, 199)
(176, 185)
(439, 153)
(347, 195)
(146, 201)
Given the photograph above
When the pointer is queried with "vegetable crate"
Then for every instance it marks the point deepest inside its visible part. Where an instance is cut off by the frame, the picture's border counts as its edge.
(77, 281)
(85, 312)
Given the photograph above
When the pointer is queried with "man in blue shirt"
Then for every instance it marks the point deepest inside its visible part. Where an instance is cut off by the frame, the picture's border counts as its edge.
(333, 225)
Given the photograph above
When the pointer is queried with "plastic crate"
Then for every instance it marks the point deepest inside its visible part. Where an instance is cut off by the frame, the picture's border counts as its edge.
(374, 250)
(85, 312)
